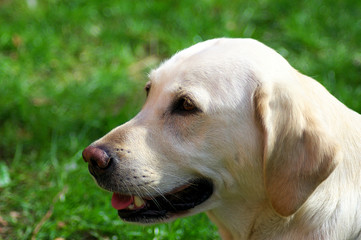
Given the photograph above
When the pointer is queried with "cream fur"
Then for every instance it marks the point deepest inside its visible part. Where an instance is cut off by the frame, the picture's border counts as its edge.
(282, 152)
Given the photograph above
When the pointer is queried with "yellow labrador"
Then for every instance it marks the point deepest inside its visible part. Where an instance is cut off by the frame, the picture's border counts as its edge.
(230, 128)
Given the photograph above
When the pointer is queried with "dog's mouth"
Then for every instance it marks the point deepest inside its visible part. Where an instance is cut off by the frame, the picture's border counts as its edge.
(162, 207)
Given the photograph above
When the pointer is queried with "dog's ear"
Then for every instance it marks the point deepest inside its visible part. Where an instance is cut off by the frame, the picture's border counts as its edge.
(298, 153)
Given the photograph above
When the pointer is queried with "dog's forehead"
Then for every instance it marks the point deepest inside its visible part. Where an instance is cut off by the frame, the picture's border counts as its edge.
(187, 68)
(212, 65)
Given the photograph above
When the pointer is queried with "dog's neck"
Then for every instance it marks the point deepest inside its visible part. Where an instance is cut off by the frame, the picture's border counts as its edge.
(321, 217)
(250, 218)
(262, 222)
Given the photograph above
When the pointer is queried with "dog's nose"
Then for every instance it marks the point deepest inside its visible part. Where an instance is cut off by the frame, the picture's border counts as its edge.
(96, 157)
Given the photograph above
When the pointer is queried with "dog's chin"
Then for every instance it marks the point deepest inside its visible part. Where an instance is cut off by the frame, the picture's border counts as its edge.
(166, 207)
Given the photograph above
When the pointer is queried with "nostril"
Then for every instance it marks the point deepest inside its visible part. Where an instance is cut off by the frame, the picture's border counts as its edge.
(93, 162)
(96, 157)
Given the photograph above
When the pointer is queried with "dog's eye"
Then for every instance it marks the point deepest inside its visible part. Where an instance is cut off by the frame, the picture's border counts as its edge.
(188, 105)
(185, 106)
(147, 88)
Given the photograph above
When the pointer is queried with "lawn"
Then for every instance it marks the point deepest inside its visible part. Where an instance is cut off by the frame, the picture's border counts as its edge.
(72, 70)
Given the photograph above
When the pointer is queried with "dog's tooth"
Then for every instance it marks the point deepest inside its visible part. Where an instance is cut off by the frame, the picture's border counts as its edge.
(138, 202)
(131, 207)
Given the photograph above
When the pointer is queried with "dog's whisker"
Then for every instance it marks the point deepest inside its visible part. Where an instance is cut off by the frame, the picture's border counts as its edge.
(160, 193)
(154, 199)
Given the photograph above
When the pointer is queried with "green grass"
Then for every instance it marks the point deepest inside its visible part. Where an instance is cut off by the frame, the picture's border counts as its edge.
(72, 70)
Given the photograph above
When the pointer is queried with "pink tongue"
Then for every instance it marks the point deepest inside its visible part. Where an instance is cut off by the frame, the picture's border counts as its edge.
(121, 201)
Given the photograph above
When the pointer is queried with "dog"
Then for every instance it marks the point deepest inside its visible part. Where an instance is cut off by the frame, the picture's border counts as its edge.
(230, 128)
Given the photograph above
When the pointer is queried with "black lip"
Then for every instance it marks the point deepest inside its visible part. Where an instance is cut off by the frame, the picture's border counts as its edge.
(161, 208)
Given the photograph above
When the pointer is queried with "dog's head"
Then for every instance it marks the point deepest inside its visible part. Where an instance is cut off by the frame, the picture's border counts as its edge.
(214, 126)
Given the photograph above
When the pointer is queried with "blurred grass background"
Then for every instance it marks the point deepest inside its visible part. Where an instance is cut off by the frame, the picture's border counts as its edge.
(72, 70)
